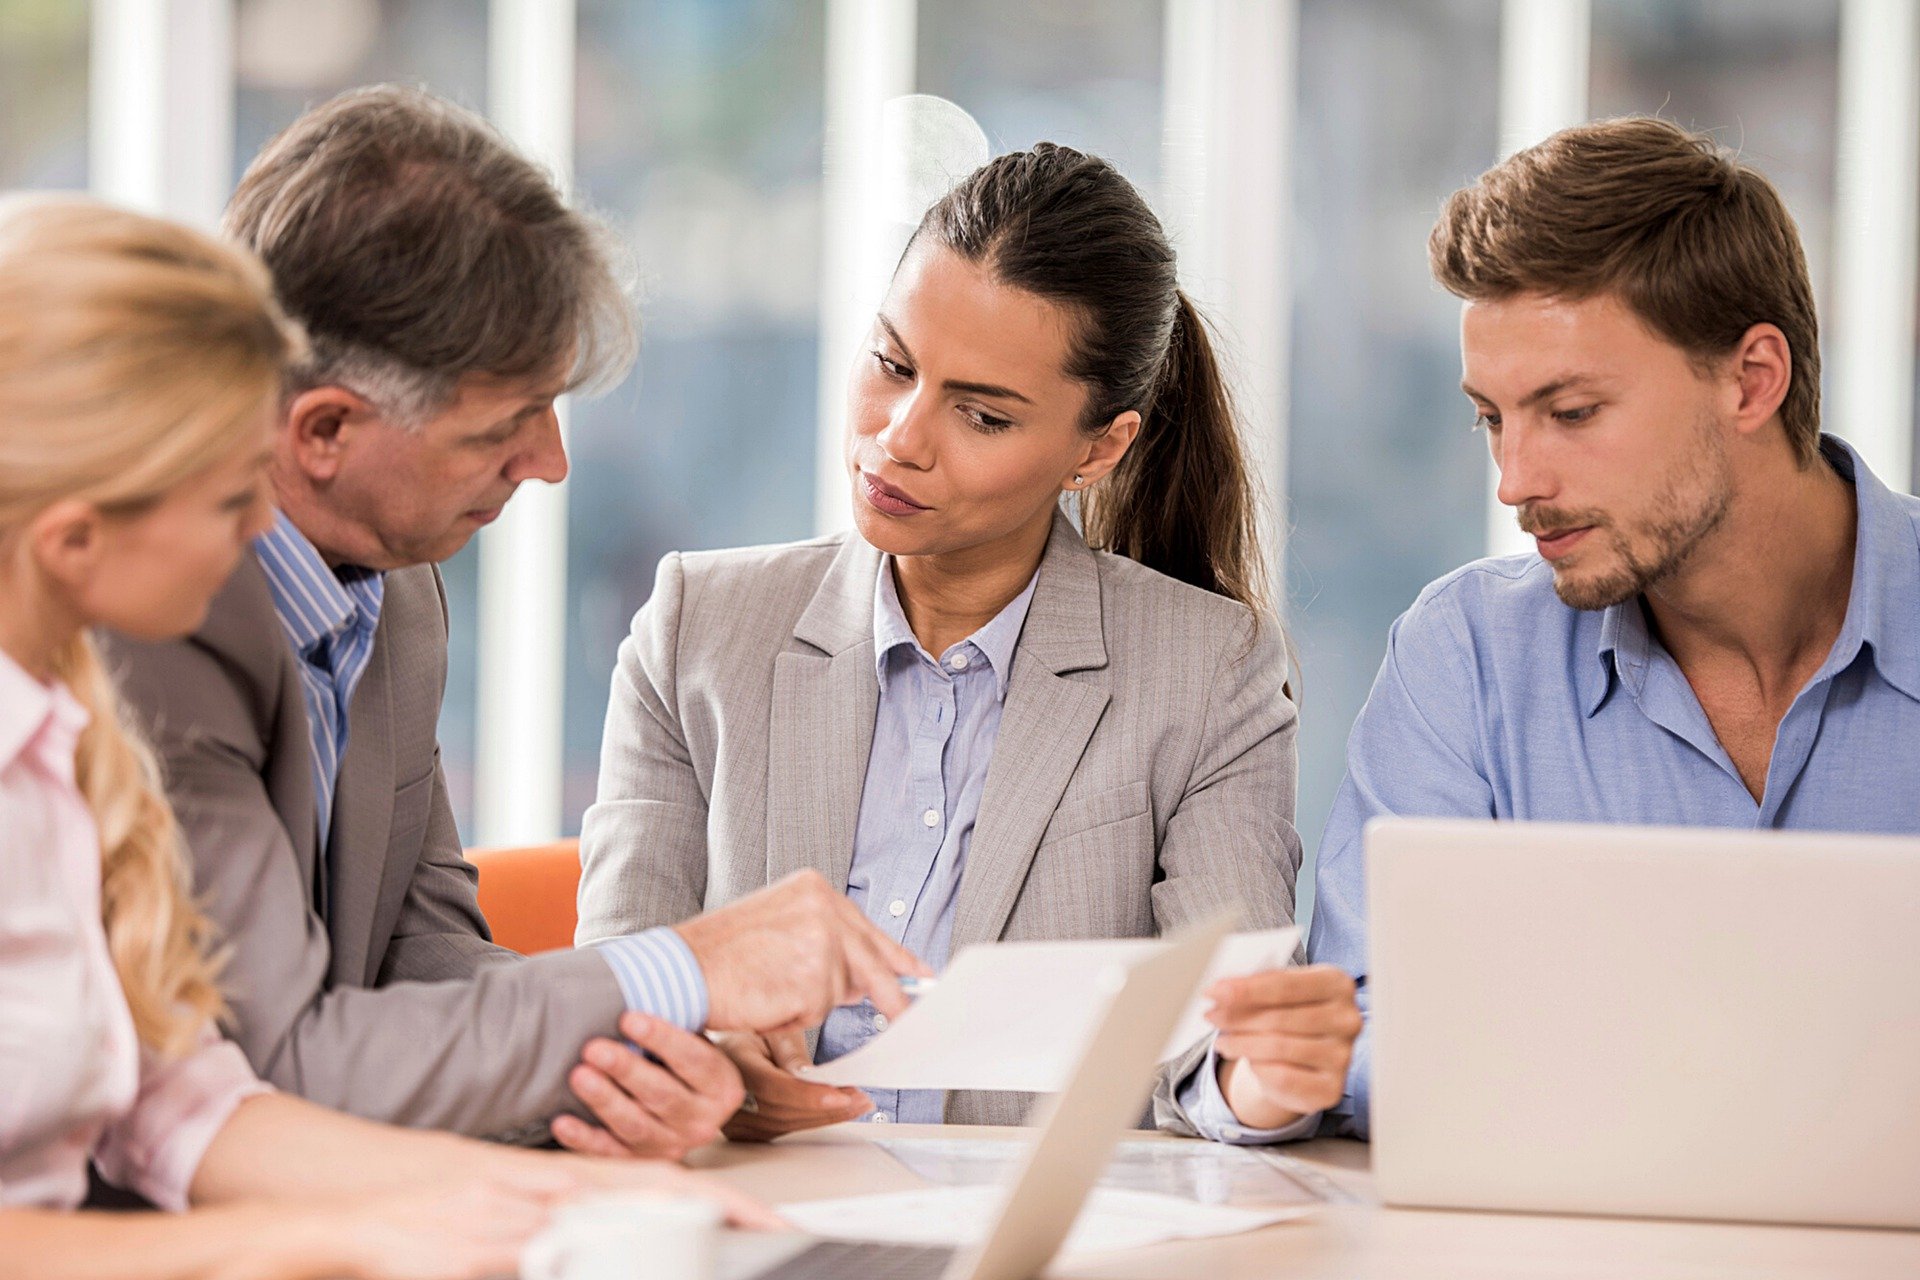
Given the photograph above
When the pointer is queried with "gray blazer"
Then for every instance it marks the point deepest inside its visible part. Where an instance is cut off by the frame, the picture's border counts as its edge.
(365, 979)
(1143, 776)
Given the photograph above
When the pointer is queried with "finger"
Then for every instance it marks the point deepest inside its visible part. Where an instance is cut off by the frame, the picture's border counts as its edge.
(776, 1090)
(619, 1113)
(1313, 1053)
(693, 1059)
(1339, 1020)
(1311, 984)
(788, 1050)
(868, 973)
(897, 958)
(577, 1135)
(1297, 1089)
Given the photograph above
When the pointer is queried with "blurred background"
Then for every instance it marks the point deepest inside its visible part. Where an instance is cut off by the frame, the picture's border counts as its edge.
(1297, 149)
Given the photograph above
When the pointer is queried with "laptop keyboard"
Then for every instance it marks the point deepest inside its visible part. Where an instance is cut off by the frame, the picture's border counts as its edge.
(858, 1260)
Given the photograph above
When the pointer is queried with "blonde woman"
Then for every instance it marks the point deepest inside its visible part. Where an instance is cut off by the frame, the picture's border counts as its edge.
(139, 364)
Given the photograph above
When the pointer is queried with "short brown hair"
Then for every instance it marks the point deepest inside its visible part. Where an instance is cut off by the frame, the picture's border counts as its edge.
(1697, 244)
(417, 246)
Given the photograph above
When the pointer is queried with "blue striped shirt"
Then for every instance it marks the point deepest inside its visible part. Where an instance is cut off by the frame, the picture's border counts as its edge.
(330, 618)
(933, 739)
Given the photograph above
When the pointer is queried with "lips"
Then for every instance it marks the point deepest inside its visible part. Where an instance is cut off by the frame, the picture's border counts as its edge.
(1560, 542)
(886, 498)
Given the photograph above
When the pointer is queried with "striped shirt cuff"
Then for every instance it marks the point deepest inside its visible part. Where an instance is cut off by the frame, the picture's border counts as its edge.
(659, 976)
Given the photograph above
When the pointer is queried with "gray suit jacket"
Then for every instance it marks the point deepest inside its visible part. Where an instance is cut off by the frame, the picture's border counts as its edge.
(1143, 775)
(365, 979)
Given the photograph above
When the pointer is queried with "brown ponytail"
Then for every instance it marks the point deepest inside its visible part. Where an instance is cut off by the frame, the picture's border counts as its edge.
(1182, 499)
(1067, 227)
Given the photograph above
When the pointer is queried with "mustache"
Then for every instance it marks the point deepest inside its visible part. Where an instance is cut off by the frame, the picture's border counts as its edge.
(1545, 522)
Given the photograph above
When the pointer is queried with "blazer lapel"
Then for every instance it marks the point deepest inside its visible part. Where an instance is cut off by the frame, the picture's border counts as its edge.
(820, 728)
(1044, 728)
(243, 629)
(357, 852)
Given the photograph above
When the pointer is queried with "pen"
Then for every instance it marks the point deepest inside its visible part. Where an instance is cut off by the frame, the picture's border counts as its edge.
(917, 986)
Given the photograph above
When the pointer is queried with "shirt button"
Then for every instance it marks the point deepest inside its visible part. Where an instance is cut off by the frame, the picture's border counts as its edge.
(896, 908)
(931, 817)
(881, 1117)
(959, 661)
(879, 1022)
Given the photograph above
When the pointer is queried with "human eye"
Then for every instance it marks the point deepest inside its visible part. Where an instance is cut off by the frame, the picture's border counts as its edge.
(1575, 416)
(990, 423)
(241, 501)
(1486, 421)
(892, 368)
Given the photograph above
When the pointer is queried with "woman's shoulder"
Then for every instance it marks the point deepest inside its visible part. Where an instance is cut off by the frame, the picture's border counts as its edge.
(1137, 600)
(782, 563)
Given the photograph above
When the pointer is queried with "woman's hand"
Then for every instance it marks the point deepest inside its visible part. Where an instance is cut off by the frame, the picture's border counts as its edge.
(1285, 1041)
(778, 1101)
(460, 1233)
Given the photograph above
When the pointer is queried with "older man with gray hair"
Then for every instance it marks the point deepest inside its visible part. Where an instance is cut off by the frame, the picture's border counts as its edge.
(450, 296)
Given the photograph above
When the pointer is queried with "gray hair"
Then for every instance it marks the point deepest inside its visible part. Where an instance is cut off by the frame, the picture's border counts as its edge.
(416, 247)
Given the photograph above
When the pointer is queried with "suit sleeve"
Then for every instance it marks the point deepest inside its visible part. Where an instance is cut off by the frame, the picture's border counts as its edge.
(643, 842)
(484, 1050)
(441, 933)
(1232, 839)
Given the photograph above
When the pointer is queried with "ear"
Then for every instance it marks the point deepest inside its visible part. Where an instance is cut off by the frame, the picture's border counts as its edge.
(1762, 368)
(66, 540)
(321, 425)
(1104, 452)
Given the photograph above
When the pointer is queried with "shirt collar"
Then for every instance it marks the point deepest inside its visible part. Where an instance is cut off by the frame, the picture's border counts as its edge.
(1886, 589)
(994, 641)
(314, 602)
(32, 713)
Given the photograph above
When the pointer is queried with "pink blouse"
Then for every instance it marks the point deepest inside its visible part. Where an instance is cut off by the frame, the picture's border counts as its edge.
(74, 1080)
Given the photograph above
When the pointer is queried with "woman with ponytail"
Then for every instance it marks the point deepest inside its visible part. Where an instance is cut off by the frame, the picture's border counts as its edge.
(977, 722)
(139, 373)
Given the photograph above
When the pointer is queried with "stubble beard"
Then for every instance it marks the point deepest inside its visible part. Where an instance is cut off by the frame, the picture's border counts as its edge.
(1690, 509)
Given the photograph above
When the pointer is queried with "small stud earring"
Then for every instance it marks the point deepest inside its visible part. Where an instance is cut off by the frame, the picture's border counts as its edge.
(1079, 480)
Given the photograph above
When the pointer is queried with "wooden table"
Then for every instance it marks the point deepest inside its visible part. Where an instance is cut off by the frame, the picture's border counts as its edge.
(1364, 1240)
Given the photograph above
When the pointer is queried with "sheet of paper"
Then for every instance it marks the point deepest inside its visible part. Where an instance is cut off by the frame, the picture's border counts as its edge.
(1016, 1015)
(1111, 1220)
(1201, 1172)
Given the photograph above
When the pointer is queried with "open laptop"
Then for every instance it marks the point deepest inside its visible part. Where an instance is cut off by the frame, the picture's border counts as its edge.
(1673, 1022)
(1106, 1096)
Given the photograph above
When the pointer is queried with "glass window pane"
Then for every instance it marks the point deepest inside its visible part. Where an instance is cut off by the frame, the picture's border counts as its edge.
(43, 94)
(1084, 75)
(1388, 484)
(1761, 75)
(293, 54)
(700, 135)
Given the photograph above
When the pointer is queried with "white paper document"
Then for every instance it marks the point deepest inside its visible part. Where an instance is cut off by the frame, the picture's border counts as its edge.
(1016, 1015)
(960, 1216)
(1201, 1172)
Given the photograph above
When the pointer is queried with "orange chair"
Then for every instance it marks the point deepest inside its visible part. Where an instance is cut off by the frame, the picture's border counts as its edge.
(527, 894)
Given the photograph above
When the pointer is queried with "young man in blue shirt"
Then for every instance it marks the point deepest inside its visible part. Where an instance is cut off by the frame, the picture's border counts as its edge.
(1718, 627)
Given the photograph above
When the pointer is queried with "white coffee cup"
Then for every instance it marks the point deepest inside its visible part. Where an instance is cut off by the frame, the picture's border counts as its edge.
(631, 1236)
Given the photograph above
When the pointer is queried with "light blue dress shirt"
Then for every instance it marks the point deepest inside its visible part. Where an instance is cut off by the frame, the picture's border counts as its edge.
(933, 737)
(1498, 701)
(330, 619)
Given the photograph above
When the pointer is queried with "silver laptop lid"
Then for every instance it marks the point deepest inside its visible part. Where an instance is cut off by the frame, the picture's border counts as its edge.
(1676, 1022)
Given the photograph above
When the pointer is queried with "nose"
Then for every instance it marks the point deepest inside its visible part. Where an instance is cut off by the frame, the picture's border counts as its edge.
(1525, 474)
(545, 457)
(908, 437)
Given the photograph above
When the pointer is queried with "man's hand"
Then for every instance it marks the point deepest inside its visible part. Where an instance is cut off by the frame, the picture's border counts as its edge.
(1286, 1037)
(780, 959)
(662, 1108)
(782, 1102)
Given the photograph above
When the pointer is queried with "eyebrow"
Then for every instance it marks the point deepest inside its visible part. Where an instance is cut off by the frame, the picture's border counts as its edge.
(1546, 392)
(975, 388)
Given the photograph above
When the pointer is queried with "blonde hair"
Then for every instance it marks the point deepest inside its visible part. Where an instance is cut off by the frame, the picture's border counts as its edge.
(135, 355)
